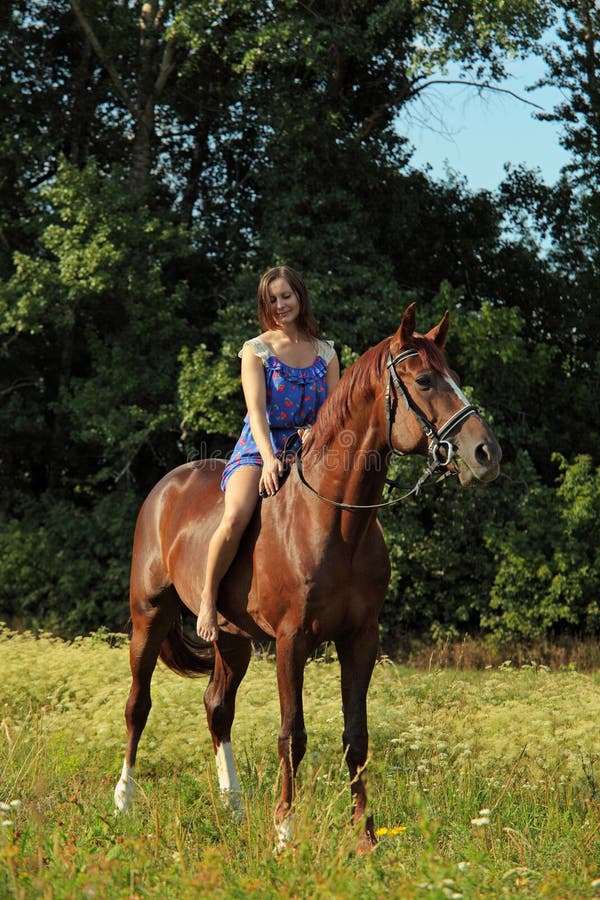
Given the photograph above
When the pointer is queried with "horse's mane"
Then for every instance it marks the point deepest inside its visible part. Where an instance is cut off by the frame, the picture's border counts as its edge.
(361, 380)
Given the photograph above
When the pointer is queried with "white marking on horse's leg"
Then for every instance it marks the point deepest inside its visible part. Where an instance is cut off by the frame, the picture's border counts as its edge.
(284, 832)
(231, 792)
(125, 788)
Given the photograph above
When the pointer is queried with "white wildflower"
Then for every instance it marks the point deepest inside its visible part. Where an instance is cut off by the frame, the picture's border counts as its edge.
(483, 818)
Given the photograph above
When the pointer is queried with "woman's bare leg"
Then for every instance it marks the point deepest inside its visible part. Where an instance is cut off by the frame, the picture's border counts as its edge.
(241, 496)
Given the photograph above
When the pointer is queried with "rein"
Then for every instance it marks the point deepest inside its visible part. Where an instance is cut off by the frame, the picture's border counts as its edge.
(438, 439)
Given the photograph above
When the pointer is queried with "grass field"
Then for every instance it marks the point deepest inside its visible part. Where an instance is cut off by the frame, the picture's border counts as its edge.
(483, 784)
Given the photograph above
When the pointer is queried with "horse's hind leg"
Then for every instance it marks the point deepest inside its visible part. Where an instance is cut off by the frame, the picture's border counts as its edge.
(232, 656)
(357, 654)
(151, 623)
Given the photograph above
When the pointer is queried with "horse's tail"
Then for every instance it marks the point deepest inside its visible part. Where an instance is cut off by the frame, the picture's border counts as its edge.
(185, 656)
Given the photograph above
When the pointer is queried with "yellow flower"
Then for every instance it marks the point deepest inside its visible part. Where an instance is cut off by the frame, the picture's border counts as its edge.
(392, 832)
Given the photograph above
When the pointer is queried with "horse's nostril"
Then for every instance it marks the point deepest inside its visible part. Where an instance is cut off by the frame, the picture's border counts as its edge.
(482, 454)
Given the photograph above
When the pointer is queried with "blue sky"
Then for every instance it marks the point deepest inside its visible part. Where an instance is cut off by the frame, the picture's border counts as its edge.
(475, 134)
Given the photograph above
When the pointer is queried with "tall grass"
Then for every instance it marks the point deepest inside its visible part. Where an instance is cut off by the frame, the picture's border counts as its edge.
(483, 784)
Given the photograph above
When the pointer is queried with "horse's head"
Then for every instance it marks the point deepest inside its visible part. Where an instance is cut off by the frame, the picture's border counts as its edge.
(429, 413)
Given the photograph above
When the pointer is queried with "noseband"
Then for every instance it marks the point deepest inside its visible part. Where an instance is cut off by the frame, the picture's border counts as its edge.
(440, 450)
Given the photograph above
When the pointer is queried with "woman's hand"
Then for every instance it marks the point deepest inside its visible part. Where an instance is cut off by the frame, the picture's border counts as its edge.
(269, 480)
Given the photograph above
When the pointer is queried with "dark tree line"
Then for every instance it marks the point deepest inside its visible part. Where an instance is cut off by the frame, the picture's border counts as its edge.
(157, 157)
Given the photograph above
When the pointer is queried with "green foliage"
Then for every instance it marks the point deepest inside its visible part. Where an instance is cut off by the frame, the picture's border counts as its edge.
(439, 574)
(507, 370)
(516, 561)
(94, 337)
(99, 331)
(209, 391)
(66, 566)
(547, 560)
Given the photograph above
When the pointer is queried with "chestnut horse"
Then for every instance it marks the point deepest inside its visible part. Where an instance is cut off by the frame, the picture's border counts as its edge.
(312, 565)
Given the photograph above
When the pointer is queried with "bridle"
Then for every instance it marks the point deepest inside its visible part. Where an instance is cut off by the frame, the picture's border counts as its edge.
(440, 450)
(438, 439)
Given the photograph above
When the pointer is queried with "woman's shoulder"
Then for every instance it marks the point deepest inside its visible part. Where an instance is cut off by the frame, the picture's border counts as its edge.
(259, 347)
(325, 349)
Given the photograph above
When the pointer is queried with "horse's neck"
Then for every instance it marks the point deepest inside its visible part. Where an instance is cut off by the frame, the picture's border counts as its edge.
(352, 467)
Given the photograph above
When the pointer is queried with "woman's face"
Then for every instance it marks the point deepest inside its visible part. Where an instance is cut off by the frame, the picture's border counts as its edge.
(285, 305)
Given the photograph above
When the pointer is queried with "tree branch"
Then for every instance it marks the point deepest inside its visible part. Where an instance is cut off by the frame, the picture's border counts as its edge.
(166, 68)
(168, 63)
(104, 59)
(478, 84)
(17, 385)
(412, 91)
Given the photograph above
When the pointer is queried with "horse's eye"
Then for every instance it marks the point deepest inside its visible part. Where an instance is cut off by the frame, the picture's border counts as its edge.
(424, 381)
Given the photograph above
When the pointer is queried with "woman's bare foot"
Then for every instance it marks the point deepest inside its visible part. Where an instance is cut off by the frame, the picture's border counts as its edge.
(206, 624)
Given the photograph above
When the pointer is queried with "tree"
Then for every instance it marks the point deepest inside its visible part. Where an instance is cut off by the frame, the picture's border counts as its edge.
(573, 64)
(158, 157)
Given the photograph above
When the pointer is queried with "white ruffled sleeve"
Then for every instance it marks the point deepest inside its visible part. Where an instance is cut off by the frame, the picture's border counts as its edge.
(259, 348)
(326, 351)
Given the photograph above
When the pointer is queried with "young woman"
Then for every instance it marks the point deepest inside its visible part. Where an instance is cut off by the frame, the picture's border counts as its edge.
(287, 373)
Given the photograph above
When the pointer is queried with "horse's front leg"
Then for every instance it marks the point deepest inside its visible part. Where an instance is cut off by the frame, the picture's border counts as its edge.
(357, 654)
(291, 659)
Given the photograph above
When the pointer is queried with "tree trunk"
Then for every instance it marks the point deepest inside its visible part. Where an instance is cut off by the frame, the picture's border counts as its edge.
(77, 151)
(157, 63)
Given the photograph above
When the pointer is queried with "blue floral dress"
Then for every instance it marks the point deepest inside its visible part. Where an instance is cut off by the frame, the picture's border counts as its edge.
(294, 397)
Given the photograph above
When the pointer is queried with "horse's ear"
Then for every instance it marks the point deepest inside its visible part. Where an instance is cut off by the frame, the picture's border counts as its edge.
(407, 325)
(440, 332)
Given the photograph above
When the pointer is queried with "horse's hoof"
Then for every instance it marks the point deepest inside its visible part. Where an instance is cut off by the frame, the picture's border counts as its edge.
(285, 833)
(233, 803)
(365, 845)
(123, 795)
(125, 789)
(368, 840)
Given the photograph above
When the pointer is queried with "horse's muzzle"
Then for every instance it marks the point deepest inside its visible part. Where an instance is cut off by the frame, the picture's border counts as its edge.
(479, 464)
